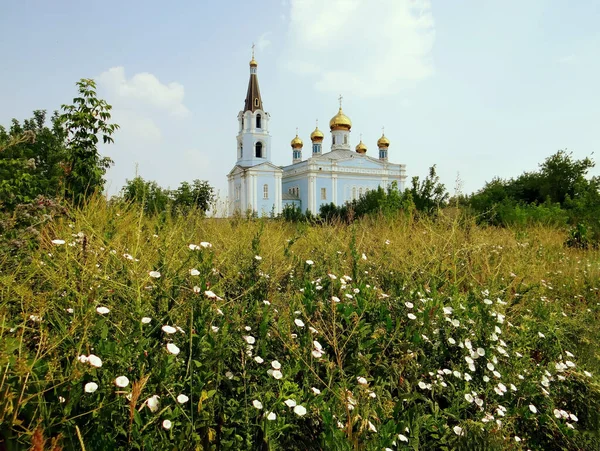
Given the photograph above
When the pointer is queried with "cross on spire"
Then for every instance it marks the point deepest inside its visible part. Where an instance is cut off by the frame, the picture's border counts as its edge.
(296, 131)
(340, 98)
(361, 137)
(317, 123)
(253, 50)
(382, 131)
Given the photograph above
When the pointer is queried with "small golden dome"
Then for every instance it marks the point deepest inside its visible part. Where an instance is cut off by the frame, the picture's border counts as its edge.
(361, 147)
(317, 135)
(383, 141)
(340, 121)
(297, 143)
(253, 63)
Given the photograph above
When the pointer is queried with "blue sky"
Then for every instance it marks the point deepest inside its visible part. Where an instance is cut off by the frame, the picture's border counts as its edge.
(480, 88)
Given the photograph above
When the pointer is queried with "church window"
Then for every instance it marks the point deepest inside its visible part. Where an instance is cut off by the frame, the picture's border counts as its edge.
(345, 139)
(353, 193)
(256, 101)
(240, 154)
(360, 192)
(237, 192)
(316, 148)
(323, 193)
(258, 121)
(333, 139)
(265, 191)
(259, 150)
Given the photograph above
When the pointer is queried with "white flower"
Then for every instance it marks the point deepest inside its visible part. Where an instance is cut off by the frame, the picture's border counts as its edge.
(214, 328)
(587, 373)
(271, 416)
(276, 365)
(168, 329)
(317, 354)
(167, 424)
(94, 360)
(194, 272)
(364, 257)
(361, 380)
(457, 430)
(83, 358)
(570, 364)
(299, 322)
(335, 299)
(411, 316)
(289, 402)
(35, 318)
(469, 397)
(372, 427)
(315, 390)
(310, 262)
(451, 340)
(257, 404)
(70, 310)
(258, 359)
(102, 310)
(154, 274)
(422, 385)
(481, 352)
(90, 387)
(409, 304)
(182, 399)
(122, 381)
(532, 408)
(257, 258)
(205, 244)
(573, 417)
(58, 242)
(61, 399)
(193, 247)
(448, 310)
(229, 375)
(299, 410)
(277, 374)
(146, 320)
(172, 348)
(517, 439)
(541, 335)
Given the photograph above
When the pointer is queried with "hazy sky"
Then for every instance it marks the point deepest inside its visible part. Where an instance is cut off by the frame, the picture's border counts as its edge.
(480, 88)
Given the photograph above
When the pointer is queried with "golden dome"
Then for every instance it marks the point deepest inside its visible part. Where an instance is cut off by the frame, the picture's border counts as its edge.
(317, 135)
(297, 143)
(340, 121)
(253, 62)
(361, 147)
(383, 141)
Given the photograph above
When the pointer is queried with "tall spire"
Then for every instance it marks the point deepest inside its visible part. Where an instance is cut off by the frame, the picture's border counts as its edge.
(253, 99)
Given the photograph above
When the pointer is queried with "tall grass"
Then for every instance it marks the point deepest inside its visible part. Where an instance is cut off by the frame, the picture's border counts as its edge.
(386, 334)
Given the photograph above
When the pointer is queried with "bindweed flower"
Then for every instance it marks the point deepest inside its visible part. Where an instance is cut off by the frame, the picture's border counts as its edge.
(58, 242)
(469, 397)
(271, 416)
(299, 322)
(290, 402)
(172, 348)
(154, 274)
(457, 430)
(257, 258)
(372, 427)
(532, 408)
(90, 387)
(229, 375)
(276, 365)
(249, 339)
(102, 310)
(83, 358)
(361, 380)
(146, 320)
(258, 359)
(168, 329)
(153, 403)
(167, 424)
(205, 244)
(194, 272)
(411, 316)
(277, 374)
(214, 328)
(122, 381)
(402, 438)
(257, 404)
(182, 399)
(94, 360)
(310, 262)
(315, 390)
(300, 410)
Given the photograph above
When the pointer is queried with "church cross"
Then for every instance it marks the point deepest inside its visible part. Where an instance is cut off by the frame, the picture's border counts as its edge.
(382, 131)
(253, 50)
(296, 131)
(340, 99)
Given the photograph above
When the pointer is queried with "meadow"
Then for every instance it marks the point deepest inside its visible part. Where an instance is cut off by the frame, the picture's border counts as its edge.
(123, 331)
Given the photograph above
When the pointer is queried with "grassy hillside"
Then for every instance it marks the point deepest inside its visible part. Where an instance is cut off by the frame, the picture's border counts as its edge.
(387, 334)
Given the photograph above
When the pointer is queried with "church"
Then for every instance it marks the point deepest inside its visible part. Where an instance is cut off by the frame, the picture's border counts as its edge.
(340, 175)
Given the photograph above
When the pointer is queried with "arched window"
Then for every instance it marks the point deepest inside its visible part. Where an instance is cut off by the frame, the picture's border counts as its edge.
(345, 139)
(353, 193)
(258, 121)
(333, 139)
(265, 191)
(240, 154)
(360, 191)
(258, 148)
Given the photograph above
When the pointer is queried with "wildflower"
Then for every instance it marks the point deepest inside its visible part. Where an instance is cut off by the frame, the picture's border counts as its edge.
(102, 310)
(451, 340)
(61, 399)
(276, 365)
(35, 318)
(300, 410)
(372, 427)
(570, 364)
(335, 299)
(299, 322)
(182, 399)
(70, 310)
(455, 322)
(167, 424)
(532, 408)
(229, 375)
(205, 244)
(277, 374)
(409, 304)
(313, 330)
(448, 310)
(411, 316)
(249, 339)
(58, 242)
(90, 387)
(468, 377)
(257, 404)
(146, 320)
(587, 373)
(316, 391)
(154, 274)
(487, 301)
(83, 358)
(193, 247)
(214, 328)
(257, 258)
(481, 352)
(469, 397)
(332, 276)
(422, 385)
(361, 380)
(94, 360)
(517, 439)
(457, 430)
(290, 403)
(168, 329)
(573, 417)
(541, 335)
(122, 381)
(172, 348)
(194, 272)
(258, 359)
(317, 354)
(310, 262)
(271, 416)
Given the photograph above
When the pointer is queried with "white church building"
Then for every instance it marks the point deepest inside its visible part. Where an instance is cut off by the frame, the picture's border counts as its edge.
(340, 175)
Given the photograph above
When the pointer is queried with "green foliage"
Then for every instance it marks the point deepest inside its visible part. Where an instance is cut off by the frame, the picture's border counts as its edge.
(197, 195)
(429, 195)
(85, 120)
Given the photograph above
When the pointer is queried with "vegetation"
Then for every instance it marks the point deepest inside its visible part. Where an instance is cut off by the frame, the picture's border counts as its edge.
(120, 330)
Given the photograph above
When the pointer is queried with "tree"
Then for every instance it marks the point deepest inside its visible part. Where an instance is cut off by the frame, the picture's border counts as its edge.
(199, 194)
(84, 121)
(147, 193)
(429, 195)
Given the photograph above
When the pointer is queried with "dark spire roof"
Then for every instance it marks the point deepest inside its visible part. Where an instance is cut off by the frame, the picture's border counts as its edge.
(253, 99)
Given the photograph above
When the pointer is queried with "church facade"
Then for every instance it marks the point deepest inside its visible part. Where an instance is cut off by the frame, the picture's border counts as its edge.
(336, 176)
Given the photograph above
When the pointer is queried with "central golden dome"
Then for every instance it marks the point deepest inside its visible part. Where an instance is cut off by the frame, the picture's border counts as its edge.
(317, 135)
(340, 121)
(383, 141)
(297, 143)
(253, 62)
(361, 147)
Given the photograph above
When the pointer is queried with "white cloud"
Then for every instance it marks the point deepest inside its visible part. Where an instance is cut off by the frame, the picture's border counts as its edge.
(146, 88)
(367, 48)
